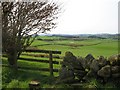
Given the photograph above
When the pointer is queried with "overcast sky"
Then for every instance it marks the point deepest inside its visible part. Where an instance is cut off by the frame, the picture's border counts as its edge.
(88, 17)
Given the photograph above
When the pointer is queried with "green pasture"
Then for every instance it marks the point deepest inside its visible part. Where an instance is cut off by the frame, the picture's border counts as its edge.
(97, 47)
(21, 78)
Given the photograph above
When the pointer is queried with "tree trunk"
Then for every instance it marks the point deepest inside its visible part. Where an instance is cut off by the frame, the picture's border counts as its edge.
(12, 59)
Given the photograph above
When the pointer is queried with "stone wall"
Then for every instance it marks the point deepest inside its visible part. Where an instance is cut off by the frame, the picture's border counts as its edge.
(83, 69)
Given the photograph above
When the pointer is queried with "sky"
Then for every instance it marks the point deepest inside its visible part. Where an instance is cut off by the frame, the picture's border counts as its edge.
(87, 17)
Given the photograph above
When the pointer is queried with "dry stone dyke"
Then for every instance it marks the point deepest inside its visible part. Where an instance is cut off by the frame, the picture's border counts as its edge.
(86, 68)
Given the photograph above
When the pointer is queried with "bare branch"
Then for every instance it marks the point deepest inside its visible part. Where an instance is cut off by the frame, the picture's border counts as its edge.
(22, 20)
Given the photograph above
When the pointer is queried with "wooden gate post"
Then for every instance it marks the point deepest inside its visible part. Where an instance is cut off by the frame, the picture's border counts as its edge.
(50, 63)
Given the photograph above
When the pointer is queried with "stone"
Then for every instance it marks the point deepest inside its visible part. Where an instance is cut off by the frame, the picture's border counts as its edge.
(68, 60)
(80, 74)
(102, 61)
(117, 75)
(115, 69)
(79, 71)
(69, 57)
(90, 74)
(34, 85)
(105, 71)
(68, 54)
(68, 65)
(63, 72)
(71, 61)
(77, 65)
(66, 75)
(82, 61)
(71, 74)
(94, 65)
(114, 60)
(89, 58)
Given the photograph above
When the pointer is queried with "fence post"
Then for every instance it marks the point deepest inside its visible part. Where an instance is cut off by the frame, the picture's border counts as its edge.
(50, 63)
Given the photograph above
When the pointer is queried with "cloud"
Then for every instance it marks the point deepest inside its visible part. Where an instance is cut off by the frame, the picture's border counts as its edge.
(89, 16)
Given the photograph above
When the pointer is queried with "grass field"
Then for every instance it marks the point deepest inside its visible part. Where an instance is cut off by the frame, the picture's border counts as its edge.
(97, 47)
(21, 78)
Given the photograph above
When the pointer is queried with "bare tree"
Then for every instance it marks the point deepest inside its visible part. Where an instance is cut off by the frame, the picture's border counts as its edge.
(21, 21)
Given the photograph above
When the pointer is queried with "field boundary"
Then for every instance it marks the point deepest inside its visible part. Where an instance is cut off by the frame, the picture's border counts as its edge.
(70, 45)
(49, 56)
